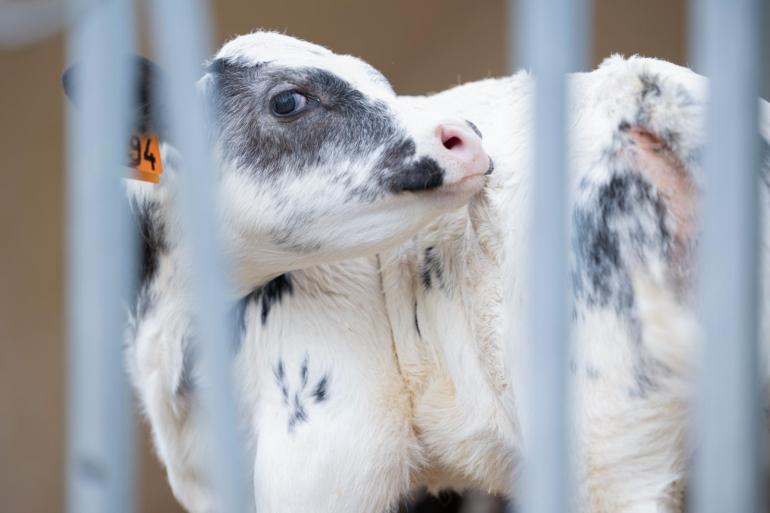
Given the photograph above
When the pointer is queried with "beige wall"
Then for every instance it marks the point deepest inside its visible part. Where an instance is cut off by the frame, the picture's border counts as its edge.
(421, 45)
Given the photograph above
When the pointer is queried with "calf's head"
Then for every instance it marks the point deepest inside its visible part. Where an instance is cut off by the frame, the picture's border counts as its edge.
(317, 158)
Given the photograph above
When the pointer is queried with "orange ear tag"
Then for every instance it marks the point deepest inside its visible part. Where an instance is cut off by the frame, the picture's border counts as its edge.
(144, 158)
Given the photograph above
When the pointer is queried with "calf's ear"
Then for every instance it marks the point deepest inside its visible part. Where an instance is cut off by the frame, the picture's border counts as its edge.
(146, 109)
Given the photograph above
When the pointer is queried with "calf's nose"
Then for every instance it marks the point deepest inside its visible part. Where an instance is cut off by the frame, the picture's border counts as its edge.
(462, 146)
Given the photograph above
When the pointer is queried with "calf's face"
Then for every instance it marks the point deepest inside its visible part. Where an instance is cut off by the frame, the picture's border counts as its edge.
(317, 159)
(320, 161)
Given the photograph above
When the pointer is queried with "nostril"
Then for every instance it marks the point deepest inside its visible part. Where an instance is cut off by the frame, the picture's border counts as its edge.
(463, 152)
(451, 142)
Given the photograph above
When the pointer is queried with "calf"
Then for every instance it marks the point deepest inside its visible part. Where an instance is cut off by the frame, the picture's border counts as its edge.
(318, 161)
(379, 261)
(635, 140)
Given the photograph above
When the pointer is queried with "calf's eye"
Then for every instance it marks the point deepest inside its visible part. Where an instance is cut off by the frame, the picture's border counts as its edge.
(290, 103)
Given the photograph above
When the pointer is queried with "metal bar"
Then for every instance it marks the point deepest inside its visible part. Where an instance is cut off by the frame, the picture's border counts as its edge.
(101, 425)
(181, 35)
(727, 37)
(551, 44)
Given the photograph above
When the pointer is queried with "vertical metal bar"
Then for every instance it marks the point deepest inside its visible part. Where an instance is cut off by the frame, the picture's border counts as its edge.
(101, 428)
(728, 423)
(551, 43)
(182, 34)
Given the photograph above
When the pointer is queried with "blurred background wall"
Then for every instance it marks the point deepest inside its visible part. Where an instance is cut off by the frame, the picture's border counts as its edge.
(421, 46)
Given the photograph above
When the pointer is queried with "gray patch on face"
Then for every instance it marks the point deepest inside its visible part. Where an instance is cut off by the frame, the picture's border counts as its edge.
(345, 123)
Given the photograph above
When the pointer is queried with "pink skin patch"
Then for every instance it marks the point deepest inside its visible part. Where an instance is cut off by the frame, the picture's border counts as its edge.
(651, 157)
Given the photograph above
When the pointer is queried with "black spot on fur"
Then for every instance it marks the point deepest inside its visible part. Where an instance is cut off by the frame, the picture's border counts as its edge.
(650, 85)
(298, 415)
(320, 390)
(650, 88)
(303, 372)
(416, 322)
(619, 225)
(301, 396)
(431, 267)
(423, 175)
(610, 229)
(152, 244)
(280, 379)
(271, 293)
(240, 323)
(152, 238)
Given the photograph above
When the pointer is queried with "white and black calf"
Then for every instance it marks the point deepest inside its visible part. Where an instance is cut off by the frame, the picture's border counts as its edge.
(318, 161)
(374, 258)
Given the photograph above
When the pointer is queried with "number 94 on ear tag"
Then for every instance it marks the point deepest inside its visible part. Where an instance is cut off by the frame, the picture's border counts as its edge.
(144, 157)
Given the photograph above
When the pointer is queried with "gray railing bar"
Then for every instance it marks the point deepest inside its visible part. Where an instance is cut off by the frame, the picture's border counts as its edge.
(727, 37)
(551, 45)
(181, 34)
(100, 251)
